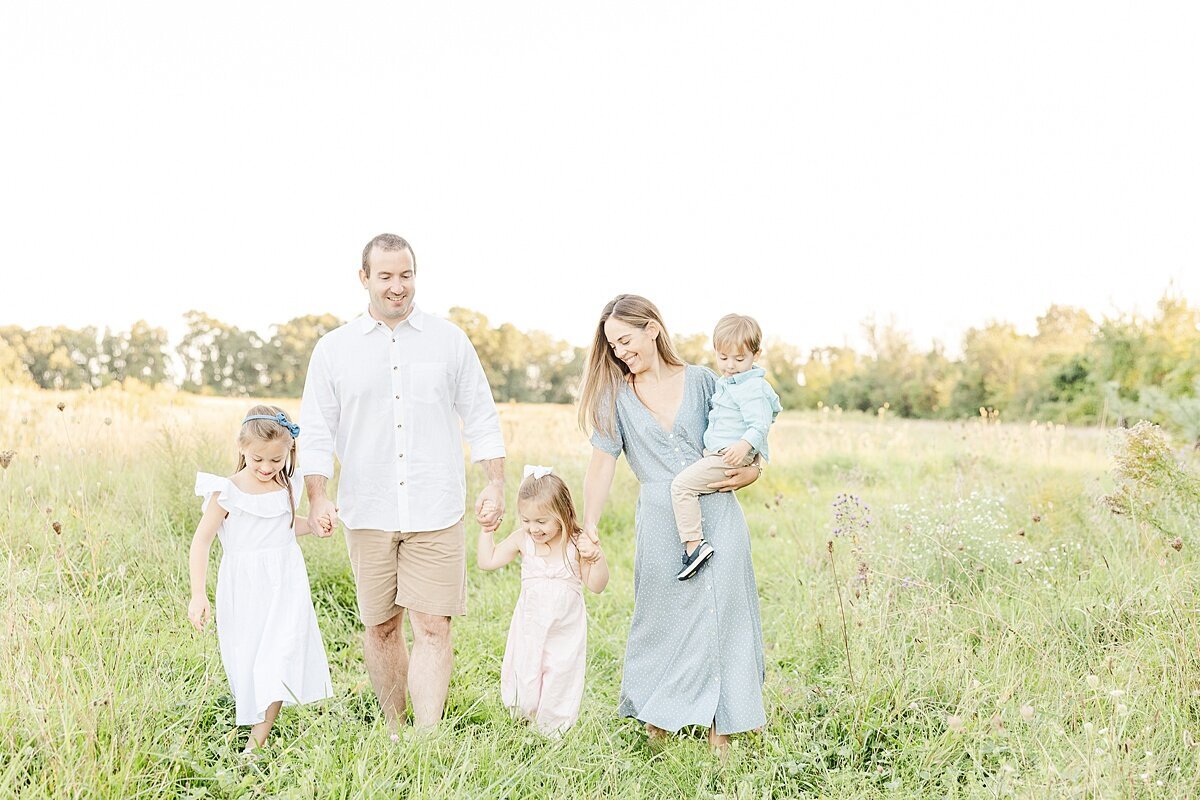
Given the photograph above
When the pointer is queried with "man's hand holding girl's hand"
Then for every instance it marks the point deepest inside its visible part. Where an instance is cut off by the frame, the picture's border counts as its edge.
(323, 514)
(489, 508)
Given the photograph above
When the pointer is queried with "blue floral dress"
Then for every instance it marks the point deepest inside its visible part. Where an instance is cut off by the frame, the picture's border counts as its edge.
(695, 649)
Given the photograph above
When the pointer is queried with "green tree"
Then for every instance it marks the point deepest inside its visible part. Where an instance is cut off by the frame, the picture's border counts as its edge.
(997, 361)
(12, 368)
(139, 353)
(287, 354)
(694, 348)
(222, 359)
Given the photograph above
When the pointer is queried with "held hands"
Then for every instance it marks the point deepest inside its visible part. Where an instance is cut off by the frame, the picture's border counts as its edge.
(736, 453)
(323, 517)
(199, 612)
(489, 508)
(588, 545)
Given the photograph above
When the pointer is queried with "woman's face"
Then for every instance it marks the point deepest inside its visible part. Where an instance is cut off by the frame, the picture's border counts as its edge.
(637, 347)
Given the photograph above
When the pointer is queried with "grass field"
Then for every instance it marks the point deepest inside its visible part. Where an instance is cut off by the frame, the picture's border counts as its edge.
(985, 625)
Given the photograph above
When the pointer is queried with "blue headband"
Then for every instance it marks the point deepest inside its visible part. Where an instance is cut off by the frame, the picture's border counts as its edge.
(281, 418)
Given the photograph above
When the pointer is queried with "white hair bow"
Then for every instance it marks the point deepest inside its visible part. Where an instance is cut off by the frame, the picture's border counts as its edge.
(536, 471)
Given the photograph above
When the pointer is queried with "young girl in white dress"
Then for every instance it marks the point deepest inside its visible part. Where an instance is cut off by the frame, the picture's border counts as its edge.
(541, 679)
(267, 628)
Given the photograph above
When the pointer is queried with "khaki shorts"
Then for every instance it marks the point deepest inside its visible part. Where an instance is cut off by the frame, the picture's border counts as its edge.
(422, 570)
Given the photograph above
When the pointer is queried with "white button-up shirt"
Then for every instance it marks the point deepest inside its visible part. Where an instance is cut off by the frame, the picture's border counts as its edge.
(388, 404)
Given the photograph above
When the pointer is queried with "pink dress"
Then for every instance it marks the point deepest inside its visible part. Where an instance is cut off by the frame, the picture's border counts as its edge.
(544, 661)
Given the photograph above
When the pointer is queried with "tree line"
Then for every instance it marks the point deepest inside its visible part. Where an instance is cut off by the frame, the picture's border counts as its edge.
(1072, 368)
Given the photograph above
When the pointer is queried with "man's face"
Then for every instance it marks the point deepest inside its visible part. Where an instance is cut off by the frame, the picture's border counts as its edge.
(391, 285)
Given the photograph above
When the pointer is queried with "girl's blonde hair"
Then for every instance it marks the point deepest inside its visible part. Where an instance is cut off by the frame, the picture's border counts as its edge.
(605, 373)
(550, 493)
(268, 430)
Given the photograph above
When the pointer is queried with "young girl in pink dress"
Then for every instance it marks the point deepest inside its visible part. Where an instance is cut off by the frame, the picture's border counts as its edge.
(541, 679)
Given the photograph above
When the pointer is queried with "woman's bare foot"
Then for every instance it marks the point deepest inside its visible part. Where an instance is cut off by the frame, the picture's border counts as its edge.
(655, 733)
(718, 742)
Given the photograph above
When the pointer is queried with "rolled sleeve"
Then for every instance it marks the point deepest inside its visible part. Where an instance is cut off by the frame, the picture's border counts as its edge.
(319, 413)
(612, 443)
(475, 406)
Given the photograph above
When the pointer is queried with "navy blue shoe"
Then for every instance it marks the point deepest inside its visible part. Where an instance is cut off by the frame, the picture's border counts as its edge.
(693, 563)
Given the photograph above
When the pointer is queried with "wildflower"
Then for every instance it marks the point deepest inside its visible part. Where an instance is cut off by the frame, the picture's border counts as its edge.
(1027, 712)
(108, 420)
(954, 723)
(1115, 693)
(771, 531)
(6, 457)
(1122, 709)
(61, 406)
(57, 526)
(1093, 681)
(1177, 542)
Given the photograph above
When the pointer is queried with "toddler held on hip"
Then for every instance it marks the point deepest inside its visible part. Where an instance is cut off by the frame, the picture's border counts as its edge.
(271, 646)
(542, 676)
(743, 408)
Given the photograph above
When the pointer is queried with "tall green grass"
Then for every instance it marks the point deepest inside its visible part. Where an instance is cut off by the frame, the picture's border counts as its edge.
(1003, 611)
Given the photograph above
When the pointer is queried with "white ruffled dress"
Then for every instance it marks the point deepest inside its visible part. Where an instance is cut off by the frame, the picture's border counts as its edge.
(267, 628)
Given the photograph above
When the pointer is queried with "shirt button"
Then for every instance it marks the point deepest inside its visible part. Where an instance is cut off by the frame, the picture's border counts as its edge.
(402, 483)
(397, 397)
(393, 341)
(402, 455)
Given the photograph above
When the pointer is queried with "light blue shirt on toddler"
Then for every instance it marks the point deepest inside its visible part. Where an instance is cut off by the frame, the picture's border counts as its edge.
(743, 407)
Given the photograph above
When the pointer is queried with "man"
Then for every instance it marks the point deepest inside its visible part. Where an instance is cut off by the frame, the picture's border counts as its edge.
(385, 393)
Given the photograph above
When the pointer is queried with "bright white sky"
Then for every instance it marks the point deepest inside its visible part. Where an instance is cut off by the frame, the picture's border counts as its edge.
(942, 163)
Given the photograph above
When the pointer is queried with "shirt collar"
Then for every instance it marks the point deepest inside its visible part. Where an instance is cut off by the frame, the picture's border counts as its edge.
(366, 323)
(742, 377)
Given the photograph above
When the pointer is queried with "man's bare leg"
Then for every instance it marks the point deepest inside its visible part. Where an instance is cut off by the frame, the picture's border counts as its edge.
(386, 657)
(429, 672)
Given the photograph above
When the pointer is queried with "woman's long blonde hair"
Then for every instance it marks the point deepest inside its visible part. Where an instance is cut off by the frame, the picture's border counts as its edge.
(605, 373)
(268, 430)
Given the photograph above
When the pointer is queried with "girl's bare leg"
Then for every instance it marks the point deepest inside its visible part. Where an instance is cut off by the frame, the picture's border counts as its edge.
(259, 732)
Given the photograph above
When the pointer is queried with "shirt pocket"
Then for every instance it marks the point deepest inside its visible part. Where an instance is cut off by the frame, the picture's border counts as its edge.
(429, 383)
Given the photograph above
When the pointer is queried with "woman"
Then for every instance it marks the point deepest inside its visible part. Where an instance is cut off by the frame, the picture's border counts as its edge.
(694, 654)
